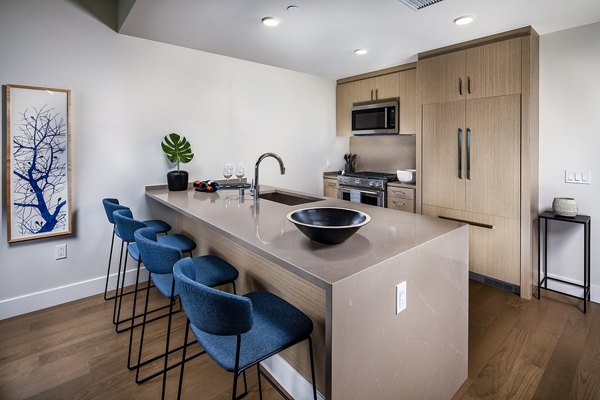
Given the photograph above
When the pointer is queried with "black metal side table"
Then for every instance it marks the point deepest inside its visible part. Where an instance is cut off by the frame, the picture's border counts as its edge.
(584, 220)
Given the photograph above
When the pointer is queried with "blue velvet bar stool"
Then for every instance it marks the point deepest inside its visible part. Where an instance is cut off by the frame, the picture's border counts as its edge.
(239, 332)
(159, 259)
(126, 226)
(110, 206)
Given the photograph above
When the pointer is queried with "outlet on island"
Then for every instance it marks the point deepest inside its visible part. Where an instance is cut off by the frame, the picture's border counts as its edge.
(400, 297)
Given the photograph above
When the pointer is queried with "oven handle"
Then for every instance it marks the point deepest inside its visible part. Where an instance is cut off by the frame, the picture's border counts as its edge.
(347, 190)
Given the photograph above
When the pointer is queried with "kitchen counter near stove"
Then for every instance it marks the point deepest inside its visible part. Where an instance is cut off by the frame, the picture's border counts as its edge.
(362, 347)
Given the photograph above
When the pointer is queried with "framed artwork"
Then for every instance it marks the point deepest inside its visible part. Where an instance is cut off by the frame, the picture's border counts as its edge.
(38, 162)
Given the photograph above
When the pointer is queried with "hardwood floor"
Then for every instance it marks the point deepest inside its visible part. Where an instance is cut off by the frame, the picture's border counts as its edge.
(518, 349)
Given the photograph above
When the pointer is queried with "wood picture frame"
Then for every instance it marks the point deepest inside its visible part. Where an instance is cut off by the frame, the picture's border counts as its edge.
(38, 162)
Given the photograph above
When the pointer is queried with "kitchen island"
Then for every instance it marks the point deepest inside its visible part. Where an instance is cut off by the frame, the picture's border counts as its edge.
(363, 348)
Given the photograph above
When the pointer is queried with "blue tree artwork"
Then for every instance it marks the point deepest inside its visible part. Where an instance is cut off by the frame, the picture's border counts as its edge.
(39, 169)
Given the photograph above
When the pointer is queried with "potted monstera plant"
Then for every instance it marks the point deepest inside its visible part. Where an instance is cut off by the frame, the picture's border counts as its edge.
(178, 151)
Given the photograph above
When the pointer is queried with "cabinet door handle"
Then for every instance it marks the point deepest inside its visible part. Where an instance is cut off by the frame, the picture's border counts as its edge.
(460, 86)
(469, 153)
(371, 94)
(331, 185)
(459, 153)
(399, 203)
(376, 94)
(468, 84)
(465, 221)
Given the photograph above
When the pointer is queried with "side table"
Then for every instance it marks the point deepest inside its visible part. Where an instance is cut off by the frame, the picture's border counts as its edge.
(584, 220)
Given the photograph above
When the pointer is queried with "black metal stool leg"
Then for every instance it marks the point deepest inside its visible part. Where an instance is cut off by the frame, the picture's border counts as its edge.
(137, 372)
(259, 383)
(164, 385)
(312, 368)
(137, 279)
(120, 296)
(117, 283)
(112, 244)
(185, 340)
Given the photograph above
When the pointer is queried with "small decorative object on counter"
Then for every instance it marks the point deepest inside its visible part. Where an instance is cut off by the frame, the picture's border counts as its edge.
(208, 186)
(407, 175)
(564, 206)
(350, 165)
(178, 150)
(328, 225)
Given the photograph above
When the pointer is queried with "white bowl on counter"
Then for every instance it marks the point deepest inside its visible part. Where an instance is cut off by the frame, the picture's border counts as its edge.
(407, 175)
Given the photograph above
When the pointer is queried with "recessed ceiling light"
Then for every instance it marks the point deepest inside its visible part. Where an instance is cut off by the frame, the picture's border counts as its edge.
(360, 52)
(464, 20)
(270, 21)
(293, 8)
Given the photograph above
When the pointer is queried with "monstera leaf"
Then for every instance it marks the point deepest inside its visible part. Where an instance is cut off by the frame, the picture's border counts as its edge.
(177, 149)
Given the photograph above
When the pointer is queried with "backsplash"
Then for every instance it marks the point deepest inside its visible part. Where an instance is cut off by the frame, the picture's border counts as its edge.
(384, 153)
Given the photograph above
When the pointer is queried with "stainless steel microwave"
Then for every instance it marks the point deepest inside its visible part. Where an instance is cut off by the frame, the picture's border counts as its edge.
(379, 118)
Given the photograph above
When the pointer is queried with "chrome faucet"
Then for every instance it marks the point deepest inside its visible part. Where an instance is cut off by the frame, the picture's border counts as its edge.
(281, 169)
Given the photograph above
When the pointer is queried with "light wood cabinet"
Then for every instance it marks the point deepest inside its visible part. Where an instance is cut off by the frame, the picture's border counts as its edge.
(493, 155)
(493, 243)
(400, 198)
(408, 101)
(443, 182)
(377, 88)
(471, 155)
(477, 149)
(401, 84)
(494, 69)
(330, 187)
(484, 71)
(344, 99)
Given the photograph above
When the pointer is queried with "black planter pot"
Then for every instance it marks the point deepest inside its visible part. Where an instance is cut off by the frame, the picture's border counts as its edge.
(177, 180)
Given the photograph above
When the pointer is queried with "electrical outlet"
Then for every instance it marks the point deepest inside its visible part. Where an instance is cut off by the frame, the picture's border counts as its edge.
(60, 251)
(328, 163)
(400, 297)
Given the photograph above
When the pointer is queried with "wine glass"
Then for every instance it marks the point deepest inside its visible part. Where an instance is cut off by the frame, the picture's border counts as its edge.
(228, 171)
(239, 171)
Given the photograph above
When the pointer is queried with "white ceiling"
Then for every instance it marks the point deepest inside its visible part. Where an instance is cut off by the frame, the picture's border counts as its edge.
(320, 37)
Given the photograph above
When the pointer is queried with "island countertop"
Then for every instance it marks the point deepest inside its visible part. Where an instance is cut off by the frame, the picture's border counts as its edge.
(264, 229)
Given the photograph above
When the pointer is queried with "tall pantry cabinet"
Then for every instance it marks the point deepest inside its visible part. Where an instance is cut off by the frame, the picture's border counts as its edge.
(478, 150)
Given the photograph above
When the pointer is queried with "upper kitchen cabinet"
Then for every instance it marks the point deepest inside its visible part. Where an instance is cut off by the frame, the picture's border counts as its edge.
(398, 82)
(488, 70)
(377, 88)
(442, 77)
(344, 97)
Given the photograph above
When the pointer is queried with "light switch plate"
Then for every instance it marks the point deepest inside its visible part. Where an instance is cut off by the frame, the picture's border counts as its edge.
(578, 176)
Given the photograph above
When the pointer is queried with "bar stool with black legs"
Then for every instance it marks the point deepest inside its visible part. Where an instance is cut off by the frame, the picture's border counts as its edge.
(239, 332)
(159, 259)
(126, 226)
(110, 206)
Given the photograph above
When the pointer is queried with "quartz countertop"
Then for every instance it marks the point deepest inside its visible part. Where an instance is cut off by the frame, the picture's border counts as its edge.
(264, 229)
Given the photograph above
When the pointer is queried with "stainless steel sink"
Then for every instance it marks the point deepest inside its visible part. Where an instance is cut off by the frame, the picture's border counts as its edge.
(289, 199)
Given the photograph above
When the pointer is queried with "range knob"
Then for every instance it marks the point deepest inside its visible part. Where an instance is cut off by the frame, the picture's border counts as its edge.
(357, 181)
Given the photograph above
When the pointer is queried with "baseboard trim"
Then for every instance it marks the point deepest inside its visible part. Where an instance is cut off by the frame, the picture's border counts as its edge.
(594, 289)
(63, 294)
(294, 383)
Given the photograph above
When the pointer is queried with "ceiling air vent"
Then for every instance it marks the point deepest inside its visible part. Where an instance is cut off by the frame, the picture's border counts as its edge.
(419, 4)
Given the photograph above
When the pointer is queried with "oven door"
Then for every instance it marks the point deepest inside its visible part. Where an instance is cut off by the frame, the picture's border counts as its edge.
(363, 196)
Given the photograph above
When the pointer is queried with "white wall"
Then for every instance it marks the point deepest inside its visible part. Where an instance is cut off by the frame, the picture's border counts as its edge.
(570, 138)
(128, 93)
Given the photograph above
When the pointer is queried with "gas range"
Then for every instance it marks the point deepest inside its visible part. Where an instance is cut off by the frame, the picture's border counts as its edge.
(365, 187)
(367, 179)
